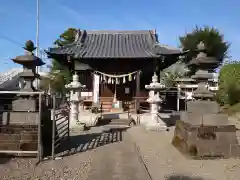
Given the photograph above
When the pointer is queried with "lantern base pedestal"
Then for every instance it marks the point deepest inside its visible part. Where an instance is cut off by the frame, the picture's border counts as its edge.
(155, 125)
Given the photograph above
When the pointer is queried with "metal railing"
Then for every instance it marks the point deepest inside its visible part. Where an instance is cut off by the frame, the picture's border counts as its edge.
(60, 125)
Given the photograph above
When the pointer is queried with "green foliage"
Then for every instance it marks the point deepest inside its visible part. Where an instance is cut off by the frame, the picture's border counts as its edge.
(60, 74)
(44, 84)
(67, 37)
(169, 79)
(231, 110)
(229, 84)
(169, 76)
(213, 40)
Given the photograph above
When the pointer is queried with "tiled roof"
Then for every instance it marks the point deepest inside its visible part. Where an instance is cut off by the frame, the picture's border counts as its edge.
(163, 49)
(115, 44)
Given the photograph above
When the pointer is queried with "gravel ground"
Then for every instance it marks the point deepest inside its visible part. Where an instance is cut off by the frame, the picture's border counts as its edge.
(115, 155)
(107, 156)
(165, 162)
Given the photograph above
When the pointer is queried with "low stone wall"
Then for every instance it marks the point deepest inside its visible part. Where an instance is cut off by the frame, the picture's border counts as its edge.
(19, 137)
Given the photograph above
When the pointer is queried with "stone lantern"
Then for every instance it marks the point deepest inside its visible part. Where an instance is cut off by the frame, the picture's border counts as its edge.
(205, 66)
(29, 62)
(24, 119)
(75, 88)
(202, 131)
(155, 122)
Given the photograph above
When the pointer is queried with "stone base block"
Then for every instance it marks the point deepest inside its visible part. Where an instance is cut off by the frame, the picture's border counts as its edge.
(24, 105)
(19, 138)
(209, 119)
(77, 128)
(23, 118)
(156, 127)
(89, 119)
(211, 141)
(144, 118)
(202, 106)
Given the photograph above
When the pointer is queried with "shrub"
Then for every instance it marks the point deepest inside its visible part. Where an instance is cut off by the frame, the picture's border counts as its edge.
(229, 84)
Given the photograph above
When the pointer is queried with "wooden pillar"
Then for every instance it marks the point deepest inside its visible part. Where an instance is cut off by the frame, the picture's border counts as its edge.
(178, 97)
(137, 100)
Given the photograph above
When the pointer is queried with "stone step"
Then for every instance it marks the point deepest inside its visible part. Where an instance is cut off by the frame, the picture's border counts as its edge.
(119, 123)
(106, 103)
(106, 107)
(115, 127)
(125, 122)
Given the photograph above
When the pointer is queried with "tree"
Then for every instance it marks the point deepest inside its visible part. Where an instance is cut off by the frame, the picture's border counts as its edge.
(67, 37)
(172, 73)
(63, 75)
(169, 78)
(213, 40)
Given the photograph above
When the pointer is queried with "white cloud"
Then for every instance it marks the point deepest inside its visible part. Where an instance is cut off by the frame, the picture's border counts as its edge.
(73, 14)
(135, 22)
(70, 11)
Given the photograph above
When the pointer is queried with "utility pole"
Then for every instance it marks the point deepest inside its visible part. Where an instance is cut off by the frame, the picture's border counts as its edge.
(37, 30)
(37, 39)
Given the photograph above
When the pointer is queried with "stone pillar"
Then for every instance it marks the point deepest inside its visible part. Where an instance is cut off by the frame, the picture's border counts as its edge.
(155, 122)
(75, 88)
(74, 103)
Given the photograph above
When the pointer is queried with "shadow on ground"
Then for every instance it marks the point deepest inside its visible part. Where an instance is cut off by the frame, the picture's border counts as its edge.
(4, 159)
(182, 177)
(171, 120)
(89, 141)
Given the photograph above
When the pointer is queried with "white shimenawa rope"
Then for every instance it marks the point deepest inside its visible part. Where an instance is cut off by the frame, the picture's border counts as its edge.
(115, 76)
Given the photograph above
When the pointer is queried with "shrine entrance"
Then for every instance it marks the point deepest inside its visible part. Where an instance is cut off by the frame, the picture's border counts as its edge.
(119, 90)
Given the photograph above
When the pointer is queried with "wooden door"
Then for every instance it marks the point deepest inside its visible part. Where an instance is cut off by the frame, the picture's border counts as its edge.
(125, 93)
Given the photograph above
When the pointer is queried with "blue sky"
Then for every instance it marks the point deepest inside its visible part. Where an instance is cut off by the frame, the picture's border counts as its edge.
(170, 18)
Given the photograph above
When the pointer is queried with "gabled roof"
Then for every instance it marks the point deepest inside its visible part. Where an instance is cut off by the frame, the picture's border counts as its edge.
(115, 44)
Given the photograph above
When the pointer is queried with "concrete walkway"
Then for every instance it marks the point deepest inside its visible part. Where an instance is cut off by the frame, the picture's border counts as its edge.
(118, 161)
(97, 155)
(163, 161)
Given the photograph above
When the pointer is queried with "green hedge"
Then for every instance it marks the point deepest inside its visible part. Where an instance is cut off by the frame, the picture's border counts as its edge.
(229, 84)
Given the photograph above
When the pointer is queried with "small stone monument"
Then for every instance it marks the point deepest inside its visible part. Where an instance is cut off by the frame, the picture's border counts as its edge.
(154, 122)
(202, 131)
(75, 88)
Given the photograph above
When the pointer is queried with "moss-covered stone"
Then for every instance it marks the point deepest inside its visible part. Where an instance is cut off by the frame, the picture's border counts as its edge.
(177, 141)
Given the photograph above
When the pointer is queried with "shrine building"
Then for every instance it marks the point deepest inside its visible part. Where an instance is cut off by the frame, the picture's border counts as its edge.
(115, 66)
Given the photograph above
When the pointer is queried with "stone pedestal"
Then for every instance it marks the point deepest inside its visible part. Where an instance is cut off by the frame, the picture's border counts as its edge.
(202, 131)
(205, 134)
(28, 105)
(75, 88)
(154, 121)
(73, 117)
